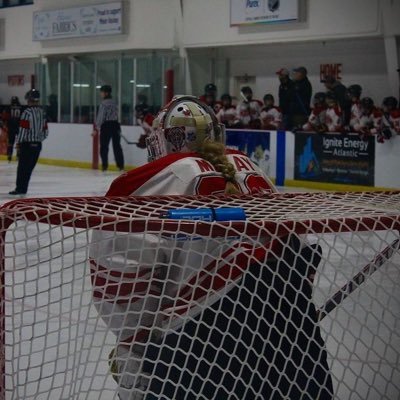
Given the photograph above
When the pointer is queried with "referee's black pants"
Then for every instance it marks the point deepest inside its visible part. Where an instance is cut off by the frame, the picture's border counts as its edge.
(28, 156)
(111, 130)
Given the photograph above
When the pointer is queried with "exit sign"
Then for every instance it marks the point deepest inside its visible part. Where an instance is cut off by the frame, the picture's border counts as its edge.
(334, 70)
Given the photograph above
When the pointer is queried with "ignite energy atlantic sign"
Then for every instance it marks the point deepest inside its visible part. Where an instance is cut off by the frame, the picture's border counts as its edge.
(246, 12)
(96, 20)
(334, 158)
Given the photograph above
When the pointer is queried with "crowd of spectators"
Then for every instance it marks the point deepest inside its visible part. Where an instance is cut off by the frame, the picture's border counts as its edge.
(339, 109)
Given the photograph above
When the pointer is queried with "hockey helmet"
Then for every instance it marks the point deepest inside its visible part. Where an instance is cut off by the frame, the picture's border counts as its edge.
(390, 102)
(354, 90)
(330, 99)
(269, 97)
(367, 103)
(226, 97)
(210, 89)
(181, 126)
(319, 98)
(32, 95)
(106, 89)
(14, 101)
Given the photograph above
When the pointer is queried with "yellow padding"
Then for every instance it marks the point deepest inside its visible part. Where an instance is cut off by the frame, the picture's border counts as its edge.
(335, 187)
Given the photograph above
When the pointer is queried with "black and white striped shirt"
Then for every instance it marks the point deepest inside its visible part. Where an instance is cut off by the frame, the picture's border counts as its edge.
(108, 111)
(32, 126)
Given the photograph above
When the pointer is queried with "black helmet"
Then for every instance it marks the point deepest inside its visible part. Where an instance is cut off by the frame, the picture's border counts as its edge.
(330, 96)
(354, 90)
(210, 88)
(15, 101)
(269, 96)
(106, 89)
(32, 95)
(367, 102)
(390, 102)
(226, 96)
(246, 89)
(319, 97)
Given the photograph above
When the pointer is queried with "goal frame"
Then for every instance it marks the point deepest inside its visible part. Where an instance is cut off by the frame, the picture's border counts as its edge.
(50, 211)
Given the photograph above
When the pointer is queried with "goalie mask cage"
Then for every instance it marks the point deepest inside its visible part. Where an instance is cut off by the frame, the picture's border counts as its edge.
(102, 299)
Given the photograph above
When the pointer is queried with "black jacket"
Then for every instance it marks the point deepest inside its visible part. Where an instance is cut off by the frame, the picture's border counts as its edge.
(286, 96)
(302, 92)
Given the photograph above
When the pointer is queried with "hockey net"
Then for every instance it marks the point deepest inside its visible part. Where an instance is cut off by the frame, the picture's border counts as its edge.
(102, 298)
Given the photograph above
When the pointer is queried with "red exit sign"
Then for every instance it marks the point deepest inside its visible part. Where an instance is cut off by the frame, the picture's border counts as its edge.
(334, 70)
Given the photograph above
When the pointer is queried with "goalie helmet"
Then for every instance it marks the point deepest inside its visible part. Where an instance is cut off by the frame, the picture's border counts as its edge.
(181, 126)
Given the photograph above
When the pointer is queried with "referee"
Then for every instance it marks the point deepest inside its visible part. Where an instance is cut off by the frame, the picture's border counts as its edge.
(32, 132)
(110, 129)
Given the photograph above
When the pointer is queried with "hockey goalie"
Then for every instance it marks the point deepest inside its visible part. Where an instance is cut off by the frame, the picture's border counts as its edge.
(206, 318)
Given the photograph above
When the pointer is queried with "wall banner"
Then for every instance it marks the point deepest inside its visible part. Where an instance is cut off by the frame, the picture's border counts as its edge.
(245, 12)
(255, 144)
(334, 158)
(96, 20)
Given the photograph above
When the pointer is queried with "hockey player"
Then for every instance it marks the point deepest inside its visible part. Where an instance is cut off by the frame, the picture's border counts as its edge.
(316, 120)
(354, 95)
(161, 355)
(227, 114)
(210, 97)
(145, 119)
(390, 119)
(333, 114)
(370, 121)
(248, 110)
(13, 119)
(270, 116)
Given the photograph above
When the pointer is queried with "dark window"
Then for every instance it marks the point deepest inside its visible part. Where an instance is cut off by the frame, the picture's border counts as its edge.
(13, 3)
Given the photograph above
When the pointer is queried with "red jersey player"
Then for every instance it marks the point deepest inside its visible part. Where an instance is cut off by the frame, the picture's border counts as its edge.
(248, 110)
(316, 120)
(270, 116)
(334, 115)
(354, 94)
(390, 119)
(227, 113)
(138, 278)
(370, 121)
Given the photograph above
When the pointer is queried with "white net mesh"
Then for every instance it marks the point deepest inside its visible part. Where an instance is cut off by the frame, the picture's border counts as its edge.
(104, 300)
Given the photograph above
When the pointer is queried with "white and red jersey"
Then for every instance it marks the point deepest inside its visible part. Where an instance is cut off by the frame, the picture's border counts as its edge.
(146, 123)
(248, 111)
(271, 118)
(355, 114)
(316, 120)
(391, 121)
(369, 124)
(129, 271)
(333, 119)
(227, 116)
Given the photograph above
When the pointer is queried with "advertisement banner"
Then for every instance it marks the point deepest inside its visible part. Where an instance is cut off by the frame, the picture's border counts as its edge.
(245, 12)
(96, 20)
(255, 144)
(334, 158)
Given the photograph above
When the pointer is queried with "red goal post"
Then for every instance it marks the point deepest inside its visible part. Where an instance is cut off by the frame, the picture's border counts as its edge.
(271, 220)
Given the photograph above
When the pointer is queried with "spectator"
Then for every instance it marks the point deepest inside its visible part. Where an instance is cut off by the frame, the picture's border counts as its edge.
(316, 120)
(248, 110)
(354, 95)
(227, 114)
(285, 96)
(32, 132)
(370, 121)
(334, 115)
(210, 97)
(301, 98)
(339, 91)
(390, 119)
(271, 116)
(110, 129)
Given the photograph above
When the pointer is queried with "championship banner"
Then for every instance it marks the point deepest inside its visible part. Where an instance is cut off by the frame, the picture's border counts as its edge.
(245, 12)
(255, 144)
(96, 20)
(334, 158)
